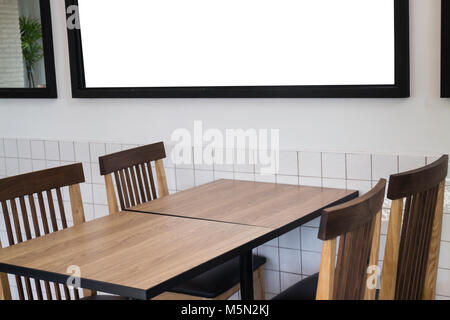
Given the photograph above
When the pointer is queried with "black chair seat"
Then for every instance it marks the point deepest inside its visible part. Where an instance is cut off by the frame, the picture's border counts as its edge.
(216, 281)
(303, 290)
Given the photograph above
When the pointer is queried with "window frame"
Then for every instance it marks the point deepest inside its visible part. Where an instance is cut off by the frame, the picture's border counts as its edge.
(50, 91)
(401, 88)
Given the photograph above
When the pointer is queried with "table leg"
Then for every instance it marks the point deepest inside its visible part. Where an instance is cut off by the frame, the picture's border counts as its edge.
(246, 269)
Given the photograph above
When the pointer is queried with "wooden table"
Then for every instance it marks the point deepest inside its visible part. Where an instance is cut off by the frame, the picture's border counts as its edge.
(258, 204)
(165, 242)
(279, 207)
(131, 254)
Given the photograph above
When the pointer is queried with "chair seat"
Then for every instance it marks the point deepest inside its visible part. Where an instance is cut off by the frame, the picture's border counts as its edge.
(303, 290)
(216, 281)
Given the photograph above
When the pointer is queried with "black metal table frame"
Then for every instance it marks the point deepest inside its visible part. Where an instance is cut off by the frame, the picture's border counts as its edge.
(244, 252)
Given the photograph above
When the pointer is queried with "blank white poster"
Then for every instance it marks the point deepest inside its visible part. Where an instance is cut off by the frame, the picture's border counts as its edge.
(190, 43)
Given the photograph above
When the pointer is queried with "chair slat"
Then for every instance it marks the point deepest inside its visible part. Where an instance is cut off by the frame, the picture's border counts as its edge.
(28, 288)
(51, 208)
(57, 291)
(135, 187)
(16, 220)
(62, 211)
(48, 291)
(119, 192)
(345, 244)
(137, 168)
(124, 189)
(67, 292)
(423, 244)
(26, 222)
(429, 291)
(8, 226)
(148, 191)
(34, 217)
(406, 244)
(152, 181)
(76, 293)
(43, 213)
(37, 284)
(130, 188)
(20, 289)
(374, 256)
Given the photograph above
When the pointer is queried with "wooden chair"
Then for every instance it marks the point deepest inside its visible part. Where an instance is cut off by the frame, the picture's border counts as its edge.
(36, 208)
(358, 224)
(412, 246)
(135, 184)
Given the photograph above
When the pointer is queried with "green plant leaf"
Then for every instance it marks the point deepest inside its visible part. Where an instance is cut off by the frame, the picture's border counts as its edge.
(30, 34)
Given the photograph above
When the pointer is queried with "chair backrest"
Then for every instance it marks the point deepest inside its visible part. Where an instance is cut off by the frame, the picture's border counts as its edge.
(414, 232)
(133, 175)
(357, 224)
(33, 205)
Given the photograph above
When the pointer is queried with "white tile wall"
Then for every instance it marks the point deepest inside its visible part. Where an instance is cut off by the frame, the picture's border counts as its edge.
(24, 148)
(52, 150)
(333, 165)
(383, 166)
(291, 256)
(358, 167)
(67, 151)
(310, 164)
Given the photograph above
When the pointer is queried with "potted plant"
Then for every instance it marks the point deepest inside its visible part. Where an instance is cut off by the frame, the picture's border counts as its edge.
(32, 50)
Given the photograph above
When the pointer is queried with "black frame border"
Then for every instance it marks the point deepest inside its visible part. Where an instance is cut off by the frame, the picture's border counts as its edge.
(445, 49)
(49, 62)
(401, 88)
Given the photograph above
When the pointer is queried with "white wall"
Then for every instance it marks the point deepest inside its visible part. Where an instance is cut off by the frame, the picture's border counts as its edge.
(417, 125)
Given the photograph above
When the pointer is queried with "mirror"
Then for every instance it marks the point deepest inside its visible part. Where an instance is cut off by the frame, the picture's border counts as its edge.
(239, 48)
(26, 50)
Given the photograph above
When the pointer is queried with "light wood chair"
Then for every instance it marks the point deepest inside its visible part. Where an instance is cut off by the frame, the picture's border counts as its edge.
(414, 233)
(135, 184)
(357, 223)
(33, 206)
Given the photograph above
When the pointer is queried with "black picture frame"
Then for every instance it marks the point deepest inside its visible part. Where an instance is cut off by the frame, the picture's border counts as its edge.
(401, 88)
(445, 49)
(50, 91)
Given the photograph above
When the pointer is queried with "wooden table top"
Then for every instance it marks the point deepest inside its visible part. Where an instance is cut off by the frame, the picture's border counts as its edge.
(250, 203)
(133, 254)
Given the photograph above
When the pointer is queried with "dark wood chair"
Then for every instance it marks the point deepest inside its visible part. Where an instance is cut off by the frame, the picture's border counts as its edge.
(33, 206)
(357, 223)
(135, 183)
(414, 233)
